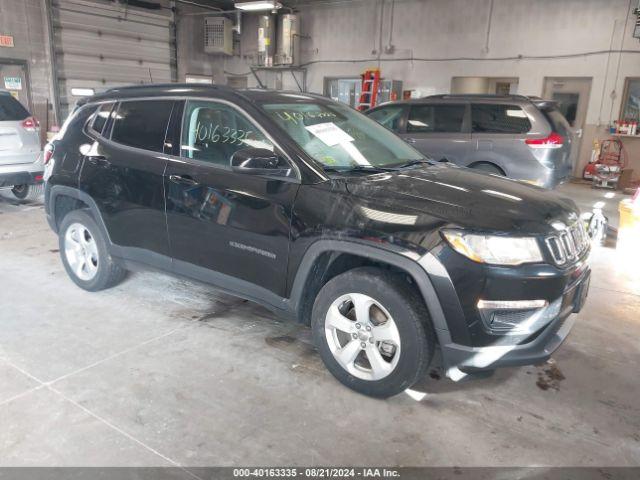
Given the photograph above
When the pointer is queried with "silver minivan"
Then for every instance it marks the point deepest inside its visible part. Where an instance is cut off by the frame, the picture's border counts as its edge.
(21, 162)
(524, 138)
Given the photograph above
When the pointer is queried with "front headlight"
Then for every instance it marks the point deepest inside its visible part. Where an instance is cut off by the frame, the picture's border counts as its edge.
(494, 249)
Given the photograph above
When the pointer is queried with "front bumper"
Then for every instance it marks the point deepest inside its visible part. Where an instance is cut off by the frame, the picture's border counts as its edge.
(467, 343)
(461, 360)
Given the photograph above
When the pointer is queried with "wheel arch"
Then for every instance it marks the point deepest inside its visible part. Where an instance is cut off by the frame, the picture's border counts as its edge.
(490, 163)
(62, 200)
(325, 259)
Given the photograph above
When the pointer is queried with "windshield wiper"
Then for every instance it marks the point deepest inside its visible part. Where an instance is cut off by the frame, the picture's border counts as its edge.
(413, 163)
(359, 168)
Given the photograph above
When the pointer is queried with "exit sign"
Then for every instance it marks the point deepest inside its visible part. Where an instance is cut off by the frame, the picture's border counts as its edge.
(6, 41)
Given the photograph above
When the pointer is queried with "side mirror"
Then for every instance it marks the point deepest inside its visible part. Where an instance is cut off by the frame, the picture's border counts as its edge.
(259, 161)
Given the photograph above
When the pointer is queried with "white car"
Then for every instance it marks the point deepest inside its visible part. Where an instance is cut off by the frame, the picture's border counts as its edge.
(21, 163)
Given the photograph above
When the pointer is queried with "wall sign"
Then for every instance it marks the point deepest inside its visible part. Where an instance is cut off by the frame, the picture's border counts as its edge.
(6, 41)
(13, 83)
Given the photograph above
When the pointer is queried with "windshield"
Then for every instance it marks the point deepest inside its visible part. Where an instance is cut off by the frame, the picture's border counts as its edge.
(340, 138)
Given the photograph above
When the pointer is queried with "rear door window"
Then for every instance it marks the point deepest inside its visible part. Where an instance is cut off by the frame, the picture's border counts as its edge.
(11, 110)
(142, 124)
(492, 118)
(436, 118)
(390, 117)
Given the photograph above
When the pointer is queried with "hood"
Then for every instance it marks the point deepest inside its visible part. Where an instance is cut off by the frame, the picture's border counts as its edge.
(466, 198)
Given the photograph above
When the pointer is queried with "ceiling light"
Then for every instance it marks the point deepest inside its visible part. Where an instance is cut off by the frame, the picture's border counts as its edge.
(258, 6)
(82, 92)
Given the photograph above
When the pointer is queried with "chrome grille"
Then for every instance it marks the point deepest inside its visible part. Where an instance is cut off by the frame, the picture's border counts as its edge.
(569, 244)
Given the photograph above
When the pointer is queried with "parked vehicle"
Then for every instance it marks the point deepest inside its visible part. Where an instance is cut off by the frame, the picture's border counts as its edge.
(21, 163)
(523, 138)
(312, 209)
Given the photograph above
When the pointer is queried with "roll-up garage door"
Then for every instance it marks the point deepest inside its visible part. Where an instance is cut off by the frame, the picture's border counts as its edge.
(101, 44)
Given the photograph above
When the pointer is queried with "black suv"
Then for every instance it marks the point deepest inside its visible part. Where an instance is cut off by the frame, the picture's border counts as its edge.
(317, 212)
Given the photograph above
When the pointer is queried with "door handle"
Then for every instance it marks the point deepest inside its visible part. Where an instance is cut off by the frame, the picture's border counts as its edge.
(98, 160)
(179, 179)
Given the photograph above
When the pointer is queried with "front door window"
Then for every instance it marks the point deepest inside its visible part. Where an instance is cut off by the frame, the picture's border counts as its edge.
(213, 132)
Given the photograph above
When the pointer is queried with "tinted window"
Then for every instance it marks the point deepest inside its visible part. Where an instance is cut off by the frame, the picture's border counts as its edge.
(487, 118)
(101, 116)
(142, 124)
(436, 118)
(213, 132)
(11, 109)
(389, 117)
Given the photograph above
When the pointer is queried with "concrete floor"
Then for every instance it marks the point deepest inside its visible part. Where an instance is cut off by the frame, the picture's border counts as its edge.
(161, 371)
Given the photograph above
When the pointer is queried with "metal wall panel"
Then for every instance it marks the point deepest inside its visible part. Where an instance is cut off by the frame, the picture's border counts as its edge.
(102, 44)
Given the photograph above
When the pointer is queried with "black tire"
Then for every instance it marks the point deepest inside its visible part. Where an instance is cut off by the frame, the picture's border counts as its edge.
(28, 192)
(108, 273)
(416, 334)
(488, 167)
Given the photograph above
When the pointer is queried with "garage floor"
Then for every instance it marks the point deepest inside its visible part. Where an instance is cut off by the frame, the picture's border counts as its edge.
(160, 371)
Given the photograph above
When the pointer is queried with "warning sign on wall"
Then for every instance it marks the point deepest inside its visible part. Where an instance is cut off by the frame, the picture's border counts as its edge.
(13, 83)
(6, 41)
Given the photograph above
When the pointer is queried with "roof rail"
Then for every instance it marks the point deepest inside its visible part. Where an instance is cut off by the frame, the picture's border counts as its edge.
(477, 95)
(144, 86)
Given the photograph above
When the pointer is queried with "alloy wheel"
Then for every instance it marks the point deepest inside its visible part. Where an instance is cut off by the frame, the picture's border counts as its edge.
(81, 251)
(362, 336)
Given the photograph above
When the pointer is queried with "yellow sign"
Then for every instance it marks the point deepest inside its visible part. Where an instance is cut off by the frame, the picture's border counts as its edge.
(6, 41)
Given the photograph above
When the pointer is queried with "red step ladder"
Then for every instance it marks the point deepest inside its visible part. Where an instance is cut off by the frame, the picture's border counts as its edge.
(369, 90)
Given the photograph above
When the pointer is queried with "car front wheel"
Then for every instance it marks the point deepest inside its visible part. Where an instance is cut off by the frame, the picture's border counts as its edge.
(372, 331)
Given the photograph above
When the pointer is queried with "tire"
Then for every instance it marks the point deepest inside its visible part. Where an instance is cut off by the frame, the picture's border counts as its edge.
(489, 168)
(85, 255)
(28, 192)
(388, 297)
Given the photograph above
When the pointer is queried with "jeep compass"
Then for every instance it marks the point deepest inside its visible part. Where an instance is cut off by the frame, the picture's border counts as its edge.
(324, 216)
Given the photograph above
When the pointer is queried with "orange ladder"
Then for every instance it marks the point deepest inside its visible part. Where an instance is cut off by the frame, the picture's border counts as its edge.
(369, 90)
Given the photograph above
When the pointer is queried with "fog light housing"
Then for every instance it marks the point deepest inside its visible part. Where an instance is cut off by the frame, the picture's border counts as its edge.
(517, 317)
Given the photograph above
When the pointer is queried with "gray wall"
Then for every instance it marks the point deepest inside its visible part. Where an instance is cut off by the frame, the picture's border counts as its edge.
(26, 21)
(435, 40)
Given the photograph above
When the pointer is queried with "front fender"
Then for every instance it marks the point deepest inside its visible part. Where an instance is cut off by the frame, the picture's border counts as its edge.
(418, 268)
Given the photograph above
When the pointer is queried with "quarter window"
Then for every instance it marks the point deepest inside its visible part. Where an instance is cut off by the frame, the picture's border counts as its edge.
(436, 118)
(389, 117)
(100, 118)
(213, 132)
(142, 124)
(488, 118)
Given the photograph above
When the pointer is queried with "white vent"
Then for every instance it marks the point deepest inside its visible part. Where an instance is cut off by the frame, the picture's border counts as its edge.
(218, 35)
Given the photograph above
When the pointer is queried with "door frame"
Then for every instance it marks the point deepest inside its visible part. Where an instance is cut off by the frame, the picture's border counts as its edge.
(24, 64)
(581, 145)
(590, 79)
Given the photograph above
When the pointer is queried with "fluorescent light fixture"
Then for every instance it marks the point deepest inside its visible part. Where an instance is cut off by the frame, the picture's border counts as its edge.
(258, 6)
(82, 92)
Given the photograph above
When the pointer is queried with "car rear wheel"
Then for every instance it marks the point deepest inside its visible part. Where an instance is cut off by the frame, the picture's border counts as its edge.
(28, 192)
(372, 331)
(84, 253)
